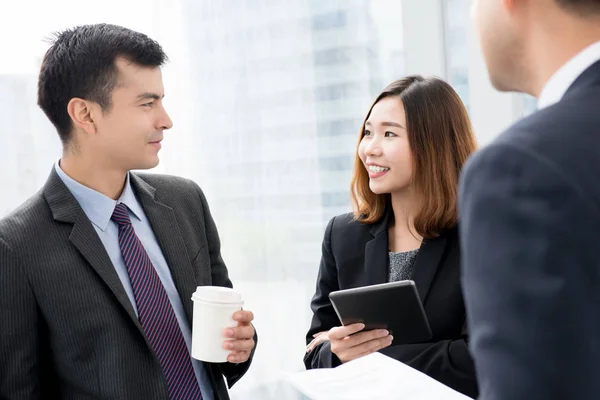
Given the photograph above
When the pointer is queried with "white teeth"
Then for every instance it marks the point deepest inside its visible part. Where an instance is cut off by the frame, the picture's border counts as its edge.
(376, 169)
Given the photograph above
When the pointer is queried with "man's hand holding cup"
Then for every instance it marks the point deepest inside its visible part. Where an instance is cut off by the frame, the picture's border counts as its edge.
(240, 339)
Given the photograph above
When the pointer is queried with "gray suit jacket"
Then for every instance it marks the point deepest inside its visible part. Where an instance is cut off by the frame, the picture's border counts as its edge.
(68, 329)
(530, 231)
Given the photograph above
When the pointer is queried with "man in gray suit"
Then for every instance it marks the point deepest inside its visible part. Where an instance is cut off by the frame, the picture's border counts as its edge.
(98, 268)
(530, 207)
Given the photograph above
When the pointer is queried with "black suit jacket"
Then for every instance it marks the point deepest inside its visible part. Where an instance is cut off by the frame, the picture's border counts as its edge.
(68, 329)
(356, 254)
(530, 209)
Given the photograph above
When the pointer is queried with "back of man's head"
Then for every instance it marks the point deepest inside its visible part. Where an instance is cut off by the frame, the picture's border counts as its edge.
(81, 63)
(523, 41)
(581, 7)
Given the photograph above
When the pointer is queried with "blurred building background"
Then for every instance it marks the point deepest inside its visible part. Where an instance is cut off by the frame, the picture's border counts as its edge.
(267, 98)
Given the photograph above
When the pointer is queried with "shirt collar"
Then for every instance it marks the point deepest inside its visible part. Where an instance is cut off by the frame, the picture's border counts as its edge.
(97, 206)
(559, 83)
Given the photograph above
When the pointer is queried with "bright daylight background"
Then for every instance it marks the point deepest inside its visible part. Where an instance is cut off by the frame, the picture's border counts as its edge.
(267, 98)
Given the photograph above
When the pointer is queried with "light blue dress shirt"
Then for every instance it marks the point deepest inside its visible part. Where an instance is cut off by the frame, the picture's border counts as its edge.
(99, 209)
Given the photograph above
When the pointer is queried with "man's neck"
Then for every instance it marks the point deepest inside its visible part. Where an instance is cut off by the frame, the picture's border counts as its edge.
(552, 49)
(90, 173)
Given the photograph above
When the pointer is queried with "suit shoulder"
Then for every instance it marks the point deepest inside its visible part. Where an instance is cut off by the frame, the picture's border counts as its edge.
(503, 153)
(347, 224)
(25, 218)
(344, 235)
(169, 182)
(173, 189)
(179, 193)
(566, 129)
(536, 147)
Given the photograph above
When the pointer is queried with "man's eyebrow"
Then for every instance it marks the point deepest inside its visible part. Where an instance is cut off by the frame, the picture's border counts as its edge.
(149, 96)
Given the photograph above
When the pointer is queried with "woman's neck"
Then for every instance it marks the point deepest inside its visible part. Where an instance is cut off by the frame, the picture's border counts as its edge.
(401, 232)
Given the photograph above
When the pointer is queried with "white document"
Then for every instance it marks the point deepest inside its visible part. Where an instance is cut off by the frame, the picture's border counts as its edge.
(371, 377)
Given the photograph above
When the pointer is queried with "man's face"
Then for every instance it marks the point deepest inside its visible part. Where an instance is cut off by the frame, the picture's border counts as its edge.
(501, 47)
(128, 135)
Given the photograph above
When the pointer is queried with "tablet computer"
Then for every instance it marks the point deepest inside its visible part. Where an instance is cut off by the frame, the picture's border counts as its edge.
(394, 306)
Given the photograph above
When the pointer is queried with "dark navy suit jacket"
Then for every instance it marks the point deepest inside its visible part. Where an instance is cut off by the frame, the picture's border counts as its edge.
(530, 235)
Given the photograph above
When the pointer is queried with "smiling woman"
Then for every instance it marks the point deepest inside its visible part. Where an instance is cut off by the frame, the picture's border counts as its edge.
(427, 128)
(412, 145)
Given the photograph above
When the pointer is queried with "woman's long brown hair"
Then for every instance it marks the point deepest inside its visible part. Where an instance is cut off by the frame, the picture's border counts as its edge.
(441, 139)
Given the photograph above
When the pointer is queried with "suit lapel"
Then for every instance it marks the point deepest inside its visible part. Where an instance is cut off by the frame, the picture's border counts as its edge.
(65, 208)
(376, 263)
(426, 264)
(164, 224)
(86, 240)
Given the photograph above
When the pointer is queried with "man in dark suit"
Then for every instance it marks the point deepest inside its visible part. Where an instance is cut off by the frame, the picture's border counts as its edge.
(98, 268)
(530, 207)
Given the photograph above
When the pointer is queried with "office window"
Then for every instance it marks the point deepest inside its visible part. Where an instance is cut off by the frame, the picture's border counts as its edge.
(266, 96)
(329, 20)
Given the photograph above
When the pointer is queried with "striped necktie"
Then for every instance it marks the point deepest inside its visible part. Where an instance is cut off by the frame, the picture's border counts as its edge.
(155, 313)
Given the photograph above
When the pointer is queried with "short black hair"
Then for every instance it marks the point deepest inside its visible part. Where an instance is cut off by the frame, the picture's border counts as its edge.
(580, 7)
(81, 63)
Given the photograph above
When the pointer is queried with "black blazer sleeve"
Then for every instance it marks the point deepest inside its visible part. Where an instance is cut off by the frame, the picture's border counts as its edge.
(530, 251)
(220, 277)
(20, 371)
(324, 316)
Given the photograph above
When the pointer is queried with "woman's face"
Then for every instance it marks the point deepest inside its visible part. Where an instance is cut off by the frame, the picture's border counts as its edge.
(384, 148)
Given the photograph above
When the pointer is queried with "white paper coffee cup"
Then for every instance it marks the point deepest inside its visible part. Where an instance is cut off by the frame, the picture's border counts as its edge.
(214, 307)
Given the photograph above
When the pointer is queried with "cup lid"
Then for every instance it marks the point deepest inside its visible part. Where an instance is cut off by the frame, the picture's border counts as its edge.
(217, 294)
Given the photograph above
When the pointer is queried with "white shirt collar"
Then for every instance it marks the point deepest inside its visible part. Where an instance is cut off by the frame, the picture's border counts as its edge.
(559, 83)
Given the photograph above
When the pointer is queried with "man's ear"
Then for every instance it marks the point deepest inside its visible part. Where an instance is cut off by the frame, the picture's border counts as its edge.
(82, 115)
(511, 5)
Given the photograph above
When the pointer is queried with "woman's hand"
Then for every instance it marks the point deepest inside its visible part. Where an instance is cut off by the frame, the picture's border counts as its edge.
(349, 343)
(318, 338)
